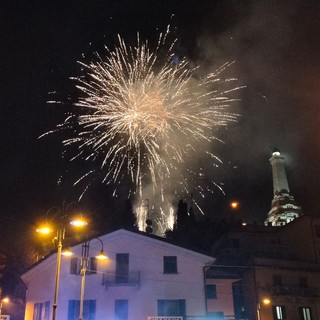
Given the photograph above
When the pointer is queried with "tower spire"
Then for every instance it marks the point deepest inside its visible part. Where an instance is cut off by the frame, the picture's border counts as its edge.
(283, 206)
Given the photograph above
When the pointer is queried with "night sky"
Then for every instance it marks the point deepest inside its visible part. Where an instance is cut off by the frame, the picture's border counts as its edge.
(276, 48)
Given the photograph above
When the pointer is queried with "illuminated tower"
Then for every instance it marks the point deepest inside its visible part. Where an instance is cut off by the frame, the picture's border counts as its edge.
(283, 206)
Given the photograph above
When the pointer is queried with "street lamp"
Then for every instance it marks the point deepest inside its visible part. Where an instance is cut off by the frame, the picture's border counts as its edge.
(4, 300)
(60, 235)
(84, 265)
(264, 301)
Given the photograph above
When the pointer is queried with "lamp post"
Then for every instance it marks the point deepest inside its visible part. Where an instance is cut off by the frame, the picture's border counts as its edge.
(60, 235)
(4, 300)
(84, 265)
(265, 301)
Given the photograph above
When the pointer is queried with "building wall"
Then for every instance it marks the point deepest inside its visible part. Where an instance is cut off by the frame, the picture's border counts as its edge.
(145, 256)
(288, 252)
(224, 299)
(289, 292)
(303, 234)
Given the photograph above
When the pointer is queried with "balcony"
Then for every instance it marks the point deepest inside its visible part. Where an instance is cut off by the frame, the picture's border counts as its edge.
(111, 279)
(293, 291)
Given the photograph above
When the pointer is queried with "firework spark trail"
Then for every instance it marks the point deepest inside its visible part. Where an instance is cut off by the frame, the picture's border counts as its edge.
(145, 114)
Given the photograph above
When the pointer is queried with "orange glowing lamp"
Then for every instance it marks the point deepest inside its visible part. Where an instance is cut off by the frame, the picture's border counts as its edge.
(101, 255)
(79, 222)
(234, 205)
(44, 228)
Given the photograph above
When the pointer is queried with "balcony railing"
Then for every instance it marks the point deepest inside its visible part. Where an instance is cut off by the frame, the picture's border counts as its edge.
(132, 278)
(294, 291)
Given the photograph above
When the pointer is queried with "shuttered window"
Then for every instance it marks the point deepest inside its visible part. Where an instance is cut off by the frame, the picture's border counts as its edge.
(89, 309)
(121, 309)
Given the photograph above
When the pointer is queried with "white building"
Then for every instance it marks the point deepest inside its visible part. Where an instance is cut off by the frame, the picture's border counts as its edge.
(145, 276)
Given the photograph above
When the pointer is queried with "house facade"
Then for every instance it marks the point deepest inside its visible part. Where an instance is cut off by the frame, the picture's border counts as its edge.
(144, 277)
(274, 263)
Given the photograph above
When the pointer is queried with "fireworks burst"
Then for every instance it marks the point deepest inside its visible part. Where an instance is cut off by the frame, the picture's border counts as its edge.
(145, 112)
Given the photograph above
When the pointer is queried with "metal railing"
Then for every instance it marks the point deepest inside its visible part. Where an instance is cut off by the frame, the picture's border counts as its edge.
(132, 278)
(294, 291)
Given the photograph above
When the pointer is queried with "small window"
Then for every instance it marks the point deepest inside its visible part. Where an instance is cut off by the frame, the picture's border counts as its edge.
(279, 312)
(305, 313)
(211, 291)
(277, 280)
(170, 264)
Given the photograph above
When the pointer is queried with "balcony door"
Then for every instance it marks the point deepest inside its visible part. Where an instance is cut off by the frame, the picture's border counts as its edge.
(122, 268)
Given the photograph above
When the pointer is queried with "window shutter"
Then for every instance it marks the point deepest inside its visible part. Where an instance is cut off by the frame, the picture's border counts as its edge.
(74, 265)
(274, 312)
(93, 265)
(182, 307)
(92, 309)
(284, 312)
(47, 310)
(71, 310)
(121, 309)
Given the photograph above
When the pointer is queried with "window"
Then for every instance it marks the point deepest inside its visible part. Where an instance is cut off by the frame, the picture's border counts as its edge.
(305, 313)
(171, 308)
(41, 311)
(89, 309)
(211, 291)
(75, 266)
(277, 280)
(122, 267)
(279, 312)
(121, 309)
(170, 264)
